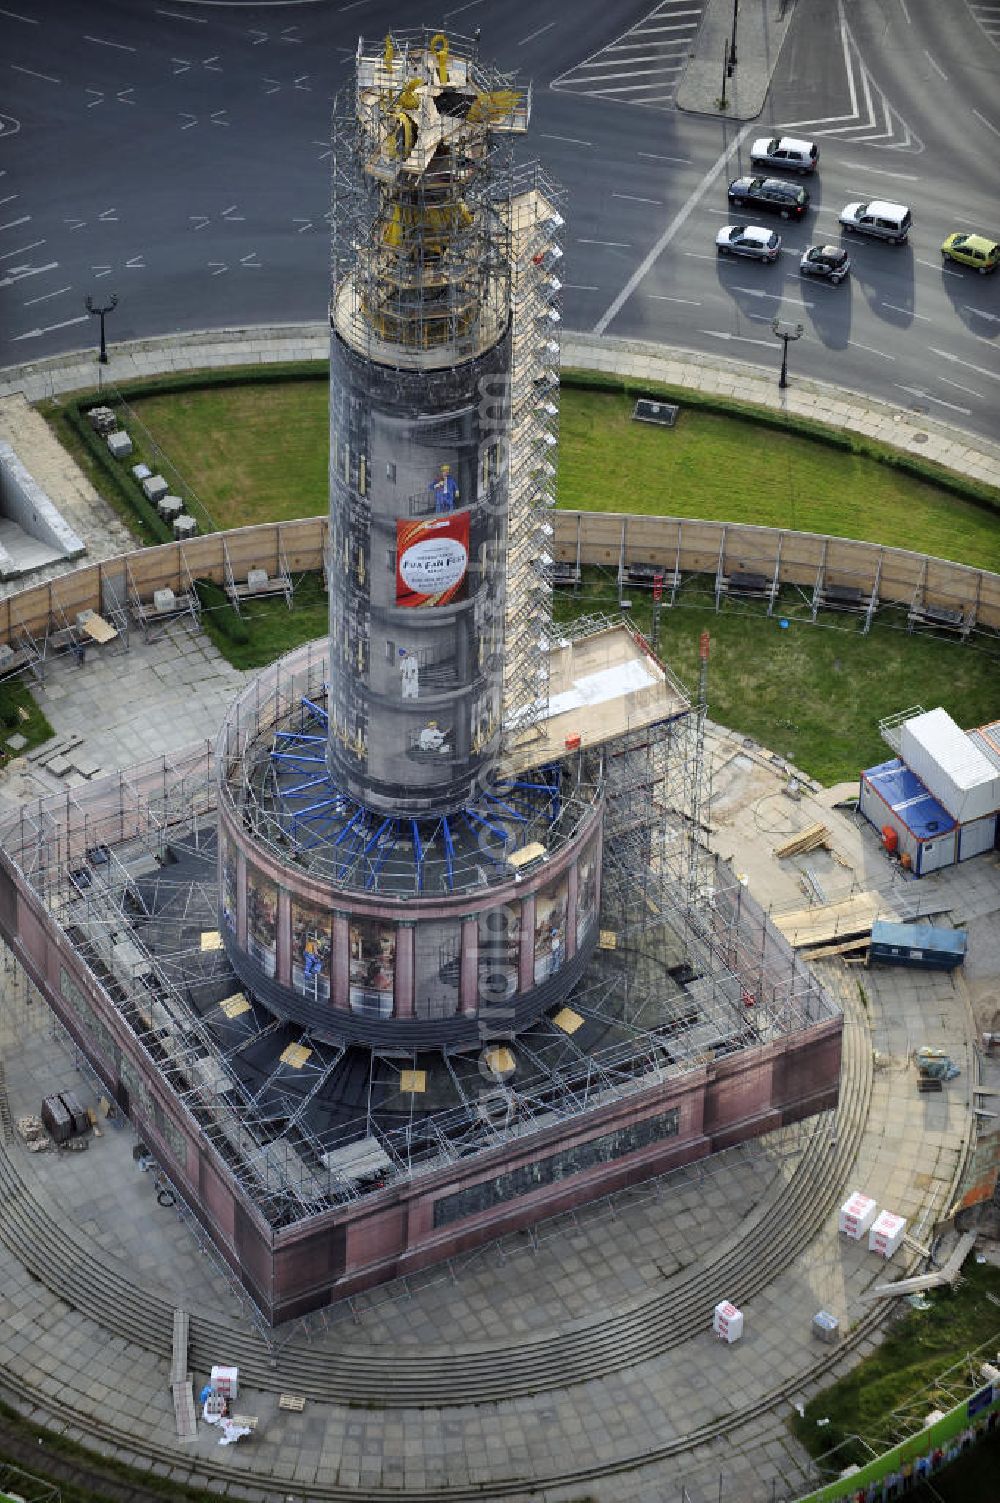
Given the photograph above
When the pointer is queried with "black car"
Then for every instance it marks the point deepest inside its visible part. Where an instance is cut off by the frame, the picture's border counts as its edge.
(825, 261)
(770, 193)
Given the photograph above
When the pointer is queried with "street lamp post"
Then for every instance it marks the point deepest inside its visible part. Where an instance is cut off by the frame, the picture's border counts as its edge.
(785, 331)
(732, 45)
(101, 311)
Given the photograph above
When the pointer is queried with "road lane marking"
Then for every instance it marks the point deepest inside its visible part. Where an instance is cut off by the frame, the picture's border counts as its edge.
(32, 74)
(14, 16)
(21, 250)
(13, 223)
(678, 221)
(742, 338)
(979, 370)
(531, 37)
(894, 308)
(662, 297)
(174, 16)
(761, 292)
(969, 390)
(994, 318)
(988, 123)
(935, 266)
(655, 157)
(925, 396)
(21, 273)
(100, 42)
(909, 177)
(868, 349)
(570, 140)
(29, 302)
(579, 287)
(635, 199)
(37, 333)
(936, 66)
(614, 244)
(906, 13)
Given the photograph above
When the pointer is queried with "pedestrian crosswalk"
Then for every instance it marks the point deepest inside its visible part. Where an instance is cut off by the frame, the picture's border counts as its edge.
(646, 63)
(988, 17)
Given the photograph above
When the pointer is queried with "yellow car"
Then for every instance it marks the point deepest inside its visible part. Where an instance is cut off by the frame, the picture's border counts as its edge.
(972, 250)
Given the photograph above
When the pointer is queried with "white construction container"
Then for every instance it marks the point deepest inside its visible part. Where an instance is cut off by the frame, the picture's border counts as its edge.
(886, 1233)
(727, 1322)
(951, 765)
(977, 836)
(857, 1215)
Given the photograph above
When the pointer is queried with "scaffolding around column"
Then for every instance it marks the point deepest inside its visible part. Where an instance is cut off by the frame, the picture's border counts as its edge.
(536, 318)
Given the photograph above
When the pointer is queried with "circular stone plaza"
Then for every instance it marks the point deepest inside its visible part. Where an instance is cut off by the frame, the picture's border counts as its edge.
(446, 1034)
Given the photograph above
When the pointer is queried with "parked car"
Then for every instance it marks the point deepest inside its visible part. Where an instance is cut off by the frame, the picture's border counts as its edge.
(785, 151)
(752, 240)
(830, 261)
(771, 194)
(972, 250)
(881, 220)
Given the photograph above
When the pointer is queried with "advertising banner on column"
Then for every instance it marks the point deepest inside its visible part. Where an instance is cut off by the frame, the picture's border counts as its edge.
(432, 559)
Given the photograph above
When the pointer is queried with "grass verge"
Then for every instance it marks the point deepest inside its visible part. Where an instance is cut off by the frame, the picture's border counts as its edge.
(812, 695)
(718, 467)
(908, 1364)
(257, 451)
(20, 716)
(267, 628)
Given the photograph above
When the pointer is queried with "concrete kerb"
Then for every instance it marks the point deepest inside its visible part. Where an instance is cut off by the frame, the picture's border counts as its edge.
(914, 433)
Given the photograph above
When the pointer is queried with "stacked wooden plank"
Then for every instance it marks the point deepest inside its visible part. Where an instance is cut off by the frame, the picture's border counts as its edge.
(807, 840)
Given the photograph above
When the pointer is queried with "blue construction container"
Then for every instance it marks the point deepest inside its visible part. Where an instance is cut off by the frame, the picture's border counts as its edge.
(893, 798)
(918, 944)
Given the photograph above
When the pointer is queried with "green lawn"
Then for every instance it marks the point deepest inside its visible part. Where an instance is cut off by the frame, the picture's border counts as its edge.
(908, 1363)
(259, 453)
(271, 629)
(20, 716)
(722, 469)
(253, 453)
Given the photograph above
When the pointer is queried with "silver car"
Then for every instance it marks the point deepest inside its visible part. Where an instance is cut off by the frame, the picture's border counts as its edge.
(752, 240)
(785, 151)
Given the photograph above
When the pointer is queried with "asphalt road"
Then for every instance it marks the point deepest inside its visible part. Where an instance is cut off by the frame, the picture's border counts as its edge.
(177, 153)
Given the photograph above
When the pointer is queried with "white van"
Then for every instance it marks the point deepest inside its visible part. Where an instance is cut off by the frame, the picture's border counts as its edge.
(881, 220)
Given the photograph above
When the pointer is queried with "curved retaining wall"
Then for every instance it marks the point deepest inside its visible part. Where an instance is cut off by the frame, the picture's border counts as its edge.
(889, 576)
